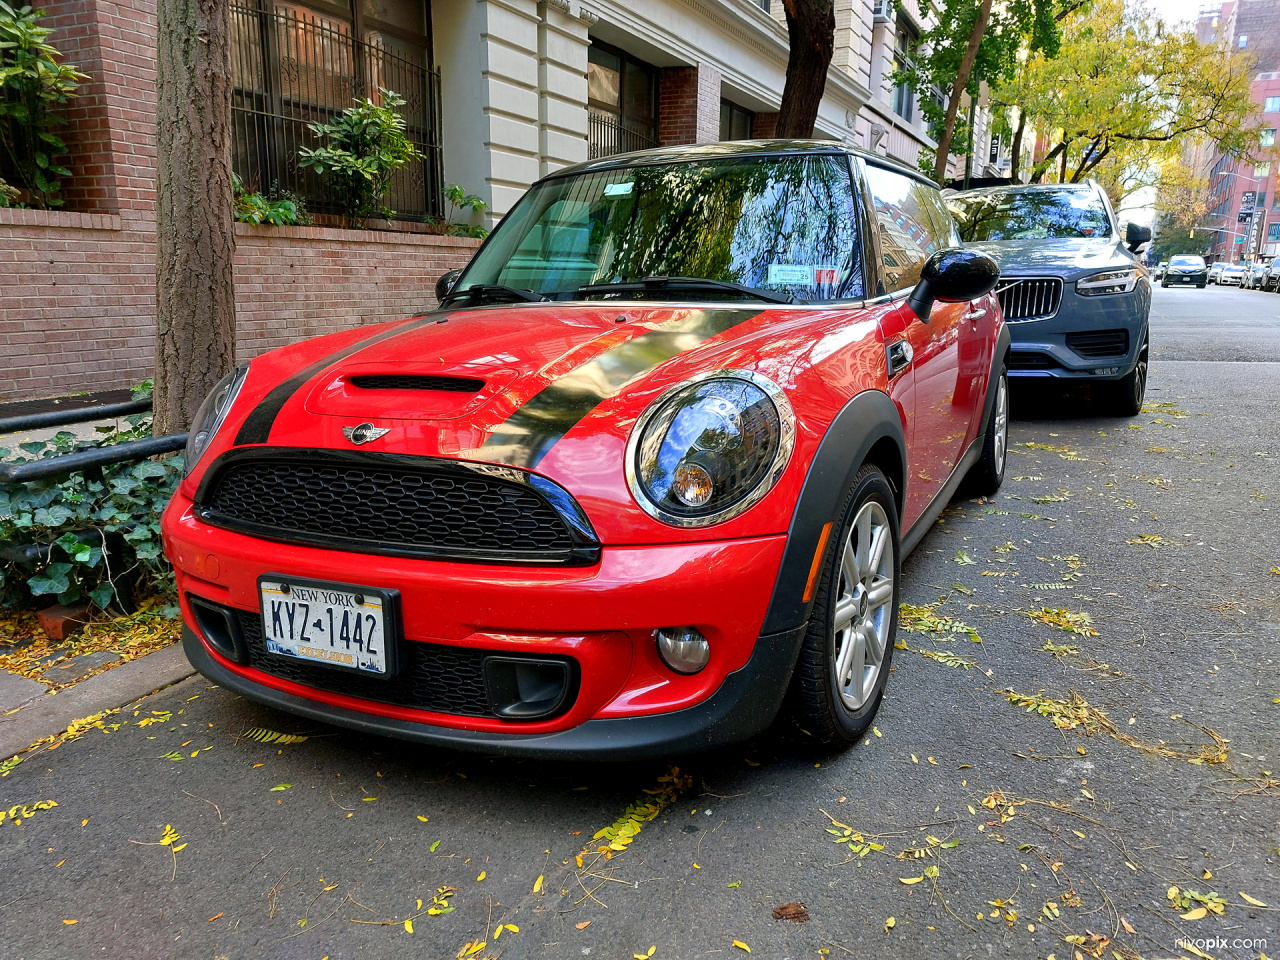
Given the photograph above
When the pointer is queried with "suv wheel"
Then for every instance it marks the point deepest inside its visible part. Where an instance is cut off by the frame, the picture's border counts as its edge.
(844, 662)
(1129, 392)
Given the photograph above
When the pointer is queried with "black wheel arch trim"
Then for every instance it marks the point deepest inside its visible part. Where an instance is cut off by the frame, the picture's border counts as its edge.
(870, 417)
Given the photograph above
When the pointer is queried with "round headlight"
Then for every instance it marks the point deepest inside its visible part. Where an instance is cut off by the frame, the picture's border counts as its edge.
(210, 414)
(709, 449)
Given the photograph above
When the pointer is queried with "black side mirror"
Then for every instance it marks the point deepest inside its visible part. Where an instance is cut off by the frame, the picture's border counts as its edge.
(1135, 235)
(446, 282)
(953, 276)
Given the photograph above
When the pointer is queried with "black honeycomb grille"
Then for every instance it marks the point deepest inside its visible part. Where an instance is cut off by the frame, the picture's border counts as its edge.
(372, 507)
(1099, 343)
(397, 381)
(433, 677)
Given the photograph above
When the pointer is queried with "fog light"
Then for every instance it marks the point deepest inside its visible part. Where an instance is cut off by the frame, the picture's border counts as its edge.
(683, 649)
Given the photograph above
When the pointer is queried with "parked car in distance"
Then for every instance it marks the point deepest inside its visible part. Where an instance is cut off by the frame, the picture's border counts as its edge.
(1073, 292)
(1272, 279)
(649, 469)
(1215, 270)
(1254, 274)
(1159, 270)
(1184, 270)
(1231, 275)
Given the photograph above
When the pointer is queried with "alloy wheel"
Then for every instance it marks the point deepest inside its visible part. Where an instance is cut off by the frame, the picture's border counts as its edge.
(863, 611)
(1001, 424)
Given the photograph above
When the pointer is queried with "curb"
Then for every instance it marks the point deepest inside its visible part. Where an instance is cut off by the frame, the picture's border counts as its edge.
(51, 713)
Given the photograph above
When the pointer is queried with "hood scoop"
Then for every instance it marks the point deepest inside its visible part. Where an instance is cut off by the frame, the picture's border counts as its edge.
(409, 381)
(386, 391)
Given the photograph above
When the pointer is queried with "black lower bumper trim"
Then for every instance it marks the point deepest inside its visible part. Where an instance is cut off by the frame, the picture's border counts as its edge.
(746, 704)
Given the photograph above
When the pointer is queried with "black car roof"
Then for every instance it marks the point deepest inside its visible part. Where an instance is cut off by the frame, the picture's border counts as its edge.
(682, 153)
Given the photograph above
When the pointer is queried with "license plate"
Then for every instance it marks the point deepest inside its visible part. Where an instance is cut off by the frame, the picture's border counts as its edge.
(1186, 279)
(333, 625)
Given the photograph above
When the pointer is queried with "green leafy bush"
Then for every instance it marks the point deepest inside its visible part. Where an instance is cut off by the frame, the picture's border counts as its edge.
(32, 85)
(104, 526)
(8, 194)
(280, 208)
(364, 147)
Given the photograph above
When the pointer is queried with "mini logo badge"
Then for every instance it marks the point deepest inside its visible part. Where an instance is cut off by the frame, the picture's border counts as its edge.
(364, 433)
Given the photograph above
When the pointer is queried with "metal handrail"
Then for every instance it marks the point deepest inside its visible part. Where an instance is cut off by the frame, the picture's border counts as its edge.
(95, 457)
(58, 418)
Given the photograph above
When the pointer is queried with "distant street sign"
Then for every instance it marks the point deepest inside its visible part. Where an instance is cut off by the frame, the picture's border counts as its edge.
(1247, 200)
(1239, 239)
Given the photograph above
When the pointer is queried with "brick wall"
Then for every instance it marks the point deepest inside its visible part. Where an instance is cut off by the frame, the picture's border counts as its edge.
(764, 126)
(688, 104)
(78, 310)
(77, 304)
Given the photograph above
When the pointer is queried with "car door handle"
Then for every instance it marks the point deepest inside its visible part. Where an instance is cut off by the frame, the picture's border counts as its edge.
(899, 355)
(976, 314)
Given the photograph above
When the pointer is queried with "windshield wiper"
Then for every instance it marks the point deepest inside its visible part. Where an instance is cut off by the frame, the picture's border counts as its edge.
(653, 284)
(479, 291)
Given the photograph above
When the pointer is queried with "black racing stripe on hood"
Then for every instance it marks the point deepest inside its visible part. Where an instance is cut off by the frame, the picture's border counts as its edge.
(530, 433)
(257, 426)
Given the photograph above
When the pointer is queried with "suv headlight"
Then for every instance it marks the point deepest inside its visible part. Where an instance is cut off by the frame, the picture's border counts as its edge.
(707, 450)
(1109, 282)
(211, 414)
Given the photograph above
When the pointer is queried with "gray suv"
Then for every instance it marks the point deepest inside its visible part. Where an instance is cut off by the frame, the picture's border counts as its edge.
(1072, 289)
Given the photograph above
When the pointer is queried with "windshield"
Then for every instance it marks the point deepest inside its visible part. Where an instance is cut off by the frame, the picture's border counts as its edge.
(1186, 262)
(1067, 214)
(783, 224)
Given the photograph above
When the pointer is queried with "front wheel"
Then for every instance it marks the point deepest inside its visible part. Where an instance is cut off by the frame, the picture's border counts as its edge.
(1129, 392)
(844, 662)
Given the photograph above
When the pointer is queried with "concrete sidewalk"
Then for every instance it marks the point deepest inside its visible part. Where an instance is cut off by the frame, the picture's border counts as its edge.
(38, 713)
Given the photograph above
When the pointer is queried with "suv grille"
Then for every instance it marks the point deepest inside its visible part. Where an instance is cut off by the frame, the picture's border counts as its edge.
(1100, 343)
(388, 505)
(1032, 299)
(434, 677)
(396, 381)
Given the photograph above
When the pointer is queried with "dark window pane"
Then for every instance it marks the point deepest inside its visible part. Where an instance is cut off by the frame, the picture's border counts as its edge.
(637, 93)
(780, 223)
(405, 14)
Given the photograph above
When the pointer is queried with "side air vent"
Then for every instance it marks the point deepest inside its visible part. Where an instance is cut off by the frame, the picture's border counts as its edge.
(398, 381)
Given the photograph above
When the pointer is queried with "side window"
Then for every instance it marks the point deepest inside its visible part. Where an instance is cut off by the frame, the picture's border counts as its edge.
(914, 223)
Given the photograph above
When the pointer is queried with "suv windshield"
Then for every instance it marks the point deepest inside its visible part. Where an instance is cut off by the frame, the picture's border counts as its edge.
(782, 224)
(1066, 214)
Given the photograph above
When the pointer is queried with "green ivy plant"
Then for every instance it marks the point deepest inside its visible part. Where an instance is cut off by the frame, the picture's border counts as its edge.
(362, 149)
(278, 208)
(102, 529)
(461, 202)
(33, 84)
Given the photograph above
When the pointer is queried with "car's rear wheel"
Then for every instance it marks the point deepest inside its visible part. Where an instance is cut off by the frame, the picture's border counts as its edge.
(844, 662)
(1128, 393)
(987, 474)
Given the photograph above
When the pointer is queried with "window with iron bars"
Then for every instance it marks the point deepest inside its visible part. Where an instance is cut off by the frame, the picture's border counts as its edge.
(294, 65)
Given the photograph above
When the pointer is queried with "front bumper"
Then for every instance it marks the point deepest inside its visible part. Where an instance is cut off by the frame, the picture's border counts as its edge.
(1198, 279)
(1043, 348)
(601, 616)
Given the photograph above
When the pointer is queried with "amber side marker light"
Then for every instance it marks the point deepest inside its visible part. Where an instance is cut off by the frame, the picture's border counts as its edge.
(817, 563)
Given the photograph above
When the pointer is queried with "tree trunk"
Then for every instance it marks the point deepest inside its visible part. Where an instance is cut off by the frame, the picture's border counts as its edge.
(811, 32)
(195, 239)
(957, 88)
(1015, 152)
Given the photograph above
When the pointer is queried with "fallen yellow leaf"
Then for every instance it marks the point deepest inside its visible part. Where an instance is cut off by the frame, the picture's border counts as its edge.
(537, 884)
(1248, 899)
(889, 924)
(1197, 914)
(70, 922)
(910, 880)
(214, 917)
(422, 818)
(583, 925)
(483, 874)
(741, 946)
(408, 925)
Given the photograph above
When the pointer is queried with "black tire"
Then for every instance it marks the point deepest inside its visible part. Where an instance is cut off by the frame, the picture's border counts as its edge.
(1128, 393)
(816, 701)
(1164, 283)
(985, 476)
(1199, 286)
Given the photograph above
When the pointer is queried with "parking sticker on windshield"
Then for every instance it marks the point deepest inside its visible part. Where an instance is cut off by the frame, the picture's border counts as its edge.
(618, 189)
(791, 273)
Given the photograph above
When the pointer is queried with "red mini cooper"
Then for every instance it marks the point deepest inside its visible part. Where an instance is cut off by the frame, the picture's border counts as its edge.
(640, 483)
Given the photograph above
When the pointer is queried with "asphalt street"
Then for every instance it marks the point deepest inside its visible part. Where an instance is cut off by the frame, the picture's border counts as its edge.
(968, 824)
